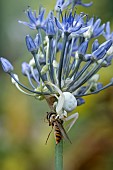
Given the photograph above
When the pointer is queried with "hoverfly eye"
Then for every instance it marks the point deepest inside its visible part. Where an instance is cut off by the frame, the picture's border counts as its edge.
(53, 116)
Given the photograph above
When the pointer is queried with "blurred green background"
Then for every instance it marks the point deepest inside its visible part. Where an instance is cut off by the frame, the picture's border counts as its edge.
(23, 131)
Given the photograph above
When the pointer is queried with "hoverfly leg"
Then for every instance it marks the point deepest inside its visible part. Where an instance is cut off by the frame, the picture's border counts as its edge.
(74, 116)
(48, 136)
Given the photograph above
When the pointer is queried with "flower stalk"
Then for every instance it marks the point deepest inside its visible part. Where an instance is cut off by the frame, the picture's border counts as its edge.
(59, 156)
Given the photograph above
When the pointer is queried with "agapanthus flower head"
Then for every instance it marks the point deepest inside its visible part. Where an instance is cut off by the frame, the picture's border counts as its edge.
(64, 65)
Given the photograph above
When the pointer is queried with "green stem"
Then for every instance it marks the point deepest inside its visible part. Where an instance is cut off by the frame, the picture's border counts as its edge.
(59, 156)
(62, 60)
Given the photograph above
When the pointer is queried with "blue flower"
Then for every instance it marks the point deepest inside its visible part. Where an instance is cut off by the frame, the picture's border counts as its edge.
(64, 4)
(108, 61)
(79, 2)
(107, 33)
(25, 68)
(71, 23)
(95, 29)
(35, 21)
(101, 50)
(6, 65)
(59, 4)
(32, 45)
(98, 54)
(50, 28)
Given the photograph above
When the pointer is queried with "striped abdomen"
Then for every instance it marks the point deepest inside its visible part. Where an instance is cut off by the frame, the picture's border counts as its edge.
(57, 133)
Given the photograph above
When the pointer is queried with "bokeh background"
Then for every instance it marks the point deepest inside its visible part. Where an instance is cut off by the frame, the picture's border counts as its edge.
(23, 131)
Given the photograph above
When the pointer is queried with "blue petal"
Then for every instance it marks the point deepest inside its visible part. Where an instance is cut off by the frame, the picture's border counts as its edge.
(99, 53)
(72, 29)
(50, 30)
(67, 3)
(108, 28)
(37, 40)
(82, 30)
(90, 22)
(58, 24)
(32, 19)
(97, 24)
(99, 31)
(83, 47)
(107, 34)
(41, 15)
(59, 4)
(106, 44)
(86, 4)
(109, 60)
(95, 45)
(32, 26)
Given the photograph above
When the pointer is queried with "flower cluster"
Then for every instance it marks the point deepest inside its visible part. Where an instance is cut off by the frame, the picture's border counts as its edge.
(64, 63)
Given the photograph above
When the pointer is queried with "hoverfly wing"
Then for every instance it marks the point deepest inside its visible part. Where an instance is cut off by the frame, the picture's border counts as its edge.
(63, 132)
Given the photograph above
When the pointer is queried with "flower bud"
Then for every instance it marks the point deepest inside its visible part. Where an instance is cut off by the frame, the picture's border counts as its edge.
(99, 86)
(80, 101)
(88, 33)
(50, 30)
(30, 44)
(44, 69)
(98, 54)
(95, 45)
(106, 45)
(55, 64)
(6, 65)
(95, 78)
(32, 62)
(83, 48)
(110, 51)
(25, 68)
(37, 40)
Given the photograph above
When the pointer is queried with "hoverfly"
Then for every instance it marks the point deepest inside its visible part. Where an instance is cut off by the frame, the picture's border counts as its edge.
(57, 125)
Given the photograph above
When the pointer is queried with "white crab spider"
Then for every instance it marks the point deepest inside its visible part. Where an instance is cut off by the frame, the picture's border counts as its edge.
(66, 103)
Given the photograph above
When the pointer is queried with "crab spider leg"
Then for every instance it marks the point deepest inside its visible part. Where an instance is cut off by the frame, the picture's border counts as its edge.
(74, 116)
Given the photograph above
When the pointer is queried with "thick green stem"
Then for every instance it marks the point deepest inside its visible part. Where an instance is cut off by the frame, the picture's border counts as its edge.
(59, 156)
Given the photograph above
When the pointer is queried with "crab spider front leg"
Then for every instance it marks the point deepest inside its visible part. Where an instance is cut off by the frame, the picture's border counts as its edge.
(74, 116)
